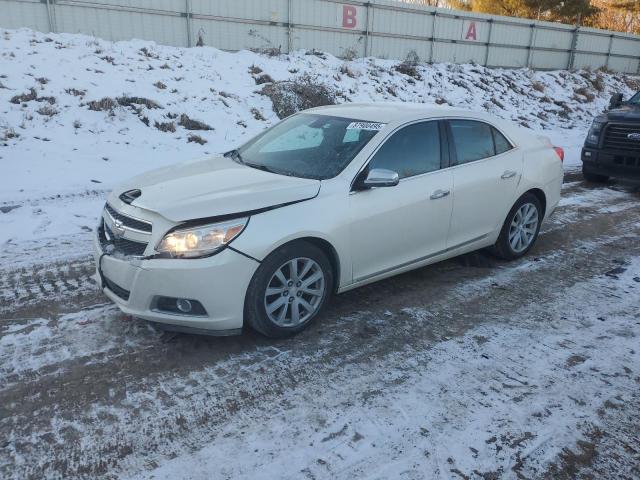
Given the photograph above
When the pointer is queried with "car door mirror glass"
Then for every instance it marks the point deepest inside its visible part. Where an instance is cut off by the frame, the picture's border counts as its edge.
(616, 100)
(380, 177)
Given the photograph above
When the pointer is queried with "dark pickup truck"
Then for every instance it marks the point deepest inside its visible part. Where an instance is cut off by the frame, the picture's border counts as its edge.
(612, 147)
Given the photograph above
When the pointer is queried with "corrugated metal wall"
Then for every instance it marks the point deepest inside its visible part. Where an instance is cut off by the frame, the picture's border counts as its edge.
(379, 28)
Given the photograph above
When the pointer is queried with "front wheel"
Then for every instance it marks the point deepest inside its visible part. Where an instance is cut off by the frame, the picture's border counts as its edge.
(288, 290)
(593, 177)
(520, 229)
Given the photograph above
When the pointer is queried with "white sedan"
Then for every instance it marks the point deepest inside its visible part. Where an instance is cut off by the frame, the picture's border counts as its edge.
(325, 201)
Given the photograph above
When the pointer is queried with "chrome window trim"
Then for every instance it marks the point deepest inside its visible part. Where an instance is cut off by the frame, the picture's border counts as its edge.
(383, 141)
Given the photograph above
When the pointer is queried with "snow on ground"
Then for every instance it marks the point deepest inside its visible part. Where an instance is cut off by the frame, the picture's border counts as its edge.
(538, 381)
(39, 344)
(60, 153)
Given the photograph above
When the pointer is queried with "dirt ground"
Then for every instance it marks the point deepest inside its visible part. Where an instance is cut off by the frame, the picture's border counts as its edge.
(87, 392)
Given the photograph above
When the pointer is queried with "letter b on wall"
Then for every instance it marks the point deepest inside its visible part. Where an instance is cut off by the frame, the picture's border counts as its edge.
(348, 16)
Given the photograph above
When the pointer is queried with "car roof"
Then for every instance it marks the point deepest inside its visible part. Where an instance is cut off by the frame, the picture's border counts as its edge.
(391, 112)
(397, 113)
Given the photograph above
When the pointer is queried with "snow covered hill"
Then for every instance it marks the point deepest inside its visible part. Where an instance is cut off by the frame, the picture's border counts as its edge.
(78, 114)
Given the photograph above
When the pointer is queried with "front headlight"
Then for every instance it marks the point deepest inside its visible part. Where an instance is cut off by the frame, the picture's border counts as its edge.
(593, 137)
(202, 240)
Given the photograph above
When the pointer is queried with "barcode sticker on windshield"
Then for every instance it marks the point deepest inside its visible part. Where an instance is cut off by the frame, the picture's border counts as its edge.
(365, 126)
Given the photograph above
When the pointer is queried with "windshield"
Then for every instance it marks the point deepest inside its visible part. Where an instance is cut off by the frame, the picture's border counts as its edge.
(308, 146)
(635, 99)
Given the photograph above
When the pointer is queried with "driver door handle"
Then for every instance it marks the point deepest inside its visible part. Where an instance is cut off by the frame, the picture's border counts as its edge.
(439, 194)
(508, 174)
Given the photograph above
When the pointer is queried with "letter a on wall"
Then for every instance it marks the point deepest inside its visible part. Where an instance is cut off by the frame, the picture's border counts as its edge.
(469, 31)
(347, 16)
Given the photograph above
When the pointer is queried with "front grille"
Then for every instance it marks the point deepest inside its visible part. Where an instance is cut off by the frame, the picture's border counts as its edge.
(626, 161)
(110, 244)
(128, 221)
(117, 289)
(615, 137)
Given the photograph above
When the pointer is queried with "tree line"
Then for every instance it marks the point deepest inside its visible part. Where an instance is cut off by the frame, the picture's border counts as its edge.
(617, 15)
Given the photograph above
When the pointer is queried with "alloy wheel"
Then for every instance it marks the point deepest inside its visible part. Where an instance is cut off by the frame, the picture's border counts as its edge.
(523, 228)
(294, 292)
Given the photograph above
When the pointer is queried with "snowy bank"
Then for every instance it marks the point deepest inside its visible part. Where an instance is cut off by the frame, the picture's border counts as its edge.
(79, 114)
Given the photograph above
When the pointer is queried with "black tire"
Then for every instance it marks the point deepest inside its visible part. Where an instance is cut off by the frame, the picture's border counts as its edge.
(502, 248)
(594, 177)
(255, 312)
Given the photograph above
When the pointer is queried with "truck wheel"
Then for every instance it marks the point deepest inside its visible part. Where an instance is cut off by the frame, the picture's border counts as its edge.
(594, 177)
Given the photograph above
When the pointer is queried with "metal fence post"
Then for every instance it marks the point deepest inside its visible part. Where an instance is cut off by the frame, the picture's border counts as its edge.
(366, 29)
(188, 15)
(606, 64)
(433, 36)
(486, 53)
(574, 44)
(532, 40)
(51, 16)
(289, 29)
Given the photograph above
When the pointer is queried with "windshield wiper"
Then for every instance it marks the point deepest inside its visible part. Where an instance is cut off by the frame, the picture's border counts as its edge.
(235, 155)
(264, 168)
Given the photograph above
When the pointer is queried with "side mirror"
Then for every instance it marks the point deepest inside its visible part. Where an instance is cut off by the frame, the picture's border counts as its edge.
(377, 177)
(616, 100)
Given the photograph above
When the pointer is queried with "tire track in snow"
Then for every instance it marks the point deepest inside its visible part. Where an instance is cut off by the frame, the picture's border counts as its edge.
(48, 283)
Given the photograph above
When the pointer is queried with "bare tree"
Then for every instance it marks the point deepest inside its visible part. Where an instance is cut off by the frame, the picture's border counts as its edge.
(622, 15)
(617, 15)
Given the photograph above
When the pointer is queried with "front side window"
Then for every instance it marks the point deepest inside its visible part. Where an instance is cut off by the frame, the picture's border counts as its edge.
(635, 100)
(308, 146)
(411, 151)
(473, 140)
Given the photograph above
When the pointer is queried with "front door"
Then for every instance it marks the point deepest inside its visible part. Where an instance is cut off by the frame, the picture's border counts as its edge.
(393, 227)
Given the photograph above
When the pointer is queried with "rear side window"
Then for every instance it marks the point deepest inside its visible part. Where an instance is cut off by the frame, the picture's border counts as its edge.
(473, 140)
(501, 143)
(411, 151)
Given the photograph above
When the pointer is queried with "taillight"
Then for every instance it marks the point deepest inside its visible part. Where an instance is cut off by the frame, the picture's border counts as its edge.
(560, 152)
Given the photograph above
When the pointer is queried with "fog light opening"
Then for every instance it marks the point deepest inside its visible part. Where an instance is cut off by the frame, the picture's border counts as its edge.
(178, 306)
(183, 305)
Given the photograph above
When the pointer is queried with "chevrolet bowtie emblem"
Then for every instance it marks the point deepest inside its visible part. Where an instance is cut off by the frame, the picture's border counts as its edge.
(117, 229)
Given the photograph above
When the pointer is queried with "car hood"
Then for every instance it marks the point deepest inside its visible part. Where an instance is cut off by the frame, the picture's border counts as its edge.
(214, 187)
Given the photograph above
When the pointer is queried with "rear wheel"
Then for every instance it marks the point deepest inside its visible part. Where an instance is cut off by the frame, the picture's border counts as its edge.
(520, 229)
(593, 177)
(288, 290)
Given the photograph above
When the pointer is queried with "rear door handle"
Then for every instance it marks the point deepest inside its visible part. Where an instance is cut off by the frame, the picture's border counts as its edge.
(439, 194)
(508, 174)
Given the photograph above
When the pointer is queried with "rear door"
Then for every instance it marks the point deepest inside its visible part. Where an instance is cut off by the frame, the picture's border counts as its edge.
(396, 226)
(487, 171)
